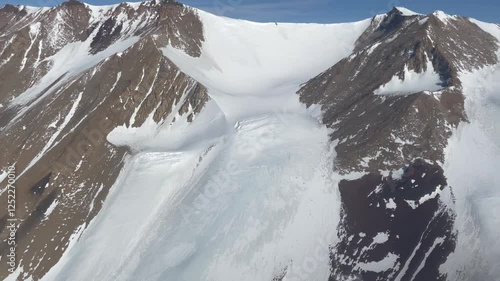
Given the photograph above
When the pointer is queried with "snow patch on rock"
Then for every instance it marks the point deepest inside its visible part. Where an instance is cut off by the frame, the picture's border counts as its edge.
(407, 12)
(388, 262)
(413, 82)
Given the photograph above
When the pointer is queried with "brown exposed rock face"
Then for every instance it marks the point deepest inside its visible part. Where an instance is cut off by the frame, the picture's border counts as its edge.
(28, 42)
(383, 133)
(64, 163)
(419, 234)
(364, 123)
(56, 135)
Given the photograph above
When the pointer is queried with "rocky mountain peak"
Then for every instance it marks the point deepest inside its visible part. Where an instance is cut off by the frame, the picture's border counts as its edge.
(70, 3)
(400, 89)
(92, 96)
(401, 48)
(394, 19)
(8, 8)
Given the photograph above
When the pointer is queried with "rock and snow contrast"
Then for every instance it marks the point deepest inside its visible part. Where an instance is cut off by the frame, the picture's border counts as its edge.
(154, 141)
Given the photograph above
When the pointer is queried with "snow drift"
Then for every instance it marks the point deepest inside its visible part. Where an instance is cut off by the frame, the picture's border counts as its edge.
(245, 191)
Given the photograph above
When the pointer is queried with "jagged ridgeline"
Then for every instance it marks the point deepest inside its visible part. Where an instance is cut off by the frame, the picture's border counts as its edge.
(155, 141)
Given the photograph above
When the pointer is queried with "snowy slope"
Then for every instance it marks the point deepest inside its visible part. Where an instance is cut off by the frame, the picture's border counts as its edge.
(239, 194)
(244, 62)
(72, 60)
(407, 12)
(237, 213)
(413, 82)
(247, 189)
(471, 168)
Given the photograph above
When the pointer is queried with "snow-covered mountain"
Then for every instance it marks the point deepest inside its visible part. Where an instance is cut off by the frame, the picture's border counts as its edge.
(154, 141)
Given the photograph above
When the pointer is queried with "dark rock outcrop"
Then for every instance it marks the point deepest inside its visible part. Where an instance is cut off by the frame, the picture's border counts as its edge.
(65, 164)
(379, 134)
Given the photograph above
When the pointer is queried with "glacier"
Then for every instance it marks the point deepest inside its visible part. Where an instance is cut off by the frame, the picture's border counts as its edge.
(247, 190)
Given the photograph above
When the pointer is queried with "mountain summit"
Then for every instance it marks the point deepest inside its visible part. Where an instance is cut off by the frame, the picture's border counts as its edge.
(155, 141)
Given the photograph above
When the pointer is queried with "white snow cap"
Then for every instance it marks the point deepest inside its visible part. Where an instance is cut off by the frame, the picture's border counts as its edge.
(407, 12)
(413, 82)
(442, 16)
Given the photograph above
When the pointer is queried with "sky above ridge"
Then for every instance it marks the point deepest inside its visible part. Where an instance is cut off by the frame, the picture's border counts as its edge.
(323, 11)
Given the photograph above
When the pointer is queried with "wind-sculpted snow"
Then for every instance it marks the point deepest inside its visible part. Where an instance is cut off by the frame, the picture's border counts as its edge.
(412, 82)
(226, 208)
(238, 193)
(159, 142)
(471, 167)
(261, 59)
